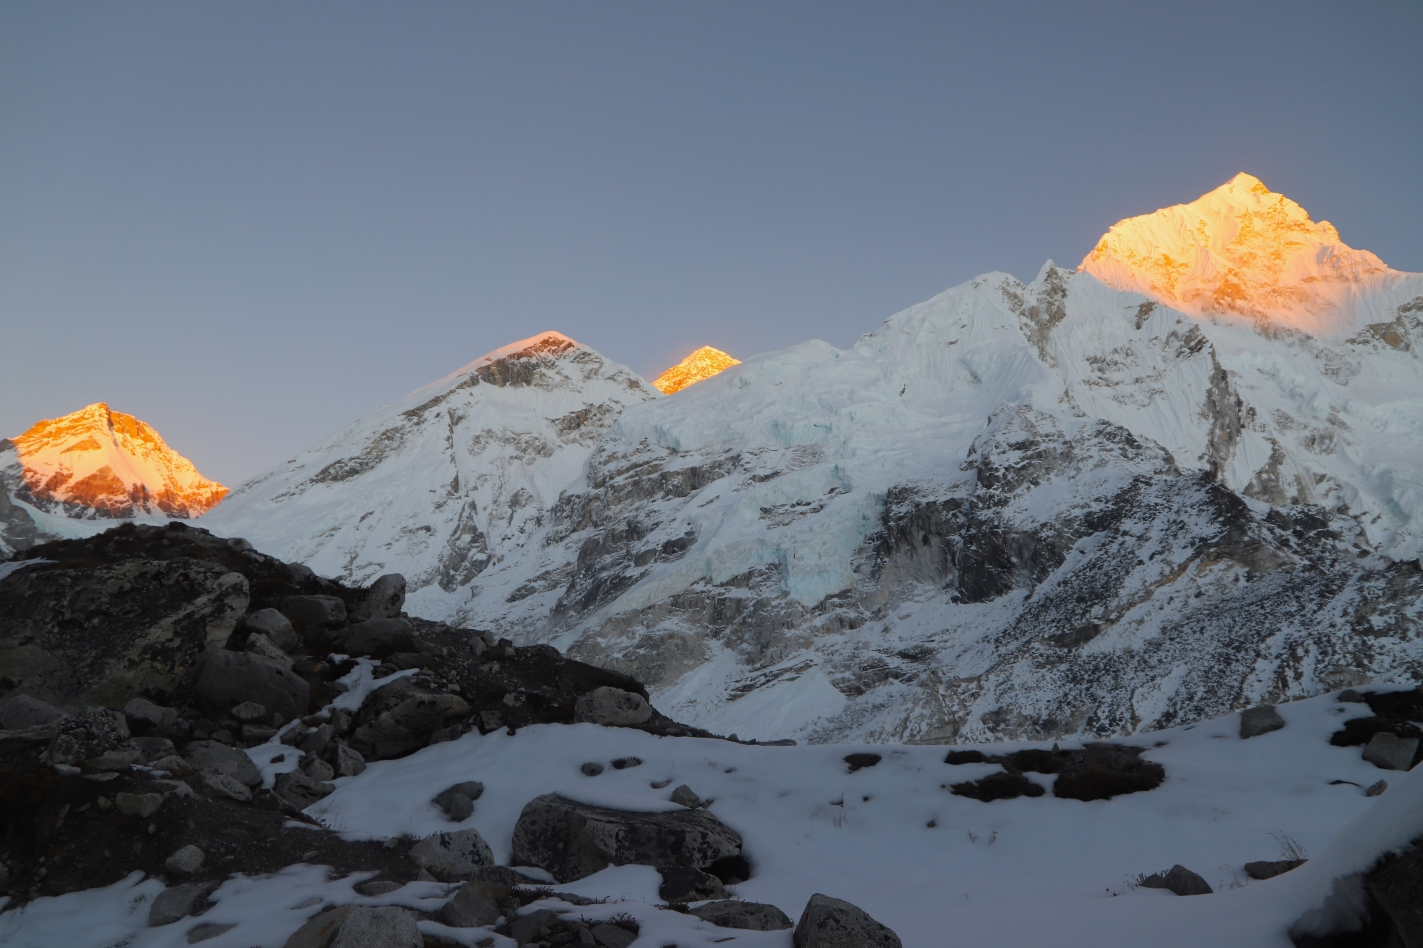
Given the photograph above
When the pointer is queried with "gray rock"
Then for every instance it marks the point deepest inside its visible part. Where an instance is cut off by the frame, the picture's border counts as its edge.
(153, 748)
(208, 930)
(346, 761)
(172, 764)
(231, 678)
(178, 902)
(1376, 789)
(1261, 720)
(18, 712)
(185, 861)
(386, 926)
(321, 929)
(273, 625)
(158, 618)
(1179, 880)
(1391, 752)
(612, 706)
(475, 904)
(376, 637)
(378, 887)
(316, 739)
(318, 769)
(591, 769)
(612, 936)
(572, 840)
(222, 785)
(383, 600)
(1350, 696)
(833, 923)
(458, 801)
(93, 739)
(685, 796)
(752, 916)
(214, 757)
(452, 856)
(263, 647)
(306, 611)
(138, 804)
(300, 790)
(150, 720)
(402, 717)
(1264, 869)
(683, 884)
(527, 928)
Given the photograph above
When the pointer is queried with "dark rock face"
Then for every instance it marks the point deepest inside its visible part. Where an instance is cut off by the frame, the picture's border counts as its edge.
(102, 634)
(999, 786)
(227, 679)
(1097, 771)
(1266, 869)
(683, 884)
(21, 711)
(1261, 720)
(750, 916)
(401, 718)
(572, 840)
(833, 923)
(475, 904)
(211, 757)
(861, 761)
(307, 611)
(376, 637)
(93, 739)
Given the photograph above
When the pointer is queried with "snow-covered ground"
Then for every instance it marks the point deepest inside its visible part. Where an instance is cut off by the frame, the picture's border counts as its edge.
(941, 870)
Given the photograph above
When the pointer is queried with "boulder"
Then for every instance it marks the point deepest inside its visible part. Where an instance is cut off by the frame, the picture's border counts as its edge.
(306, 611)
(1267, 869)
(385, 926)
(572, 840)
(458, 801)
(383, 600)
(750, 916)
(683, 884)
(221, 785)
(273, 625)
(153, 748)
(93, 739)
(18, 712)
(346, 761)
(185, 861)
(318, 769)
(263, 647)
(172, 764)
(474, 905)
(150, 720)
(98, 635)
(833, 923)
(526, 929)
(179, 902)
(376, 638)
(1376, 789)
(591, 769)
(1179, 880)
(317, 739)
(208, 930)
(402, 717)
(453, 856)
(612, 707)
(321, 929)
(861, 761)
(141, 805)
(1391, 752)
(1396, 884)
(609, 935)
(300, 790)
(212, 757)
(249, 711)
(1260, 720)
(685, 796)
(231, 678)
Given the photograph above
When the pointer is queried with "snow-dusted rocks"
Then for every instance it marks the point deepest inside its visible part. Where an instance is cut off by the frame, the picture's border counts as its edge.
(1390, 752)
(92, 739)
(751, 916)
(452, 856)
(613, 707)
(572, 840)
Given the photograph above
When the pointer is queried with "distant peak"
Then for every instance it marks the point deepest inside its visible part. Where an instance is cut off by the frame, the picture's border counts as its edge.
(702, 364)
(96, 461)
(1240, 250)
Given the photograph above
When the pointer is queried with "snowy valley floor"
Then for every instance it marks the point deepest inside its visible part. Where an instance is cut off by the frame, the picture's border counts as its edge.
(942, 871)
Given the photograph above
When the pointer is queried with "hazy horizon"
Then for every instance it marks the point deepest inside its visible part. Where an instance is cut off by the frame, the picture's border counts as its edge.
(249, 226)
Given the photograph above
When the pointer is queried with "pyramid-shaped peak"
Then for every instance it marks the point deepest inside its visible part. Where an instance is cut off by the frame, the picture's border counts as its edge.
(1240, 250)
(702, 364)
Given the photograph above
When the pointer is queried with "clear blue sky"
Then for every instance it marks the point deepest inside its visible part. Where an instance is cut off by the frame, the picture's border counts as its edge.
(250, 223)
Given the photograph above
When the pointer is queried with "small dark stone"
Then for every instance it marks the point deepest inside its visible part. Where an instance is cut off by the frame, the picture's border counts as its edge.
(861, 761)
(999, 786)
(965, 757)
(1265, 869)
(623, 763)
(591, 769)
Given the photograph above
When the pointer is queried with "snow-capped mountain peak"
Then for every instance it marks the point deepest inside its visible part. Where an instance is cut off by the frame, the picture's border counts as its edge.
(1243, 250)
(702, 364)
(97, 462)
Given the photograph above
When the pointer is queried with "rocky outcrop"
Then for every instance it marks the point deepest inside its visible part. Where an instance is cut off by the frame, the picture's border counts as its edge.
(835, 923)
(572, 840)
(106, 633)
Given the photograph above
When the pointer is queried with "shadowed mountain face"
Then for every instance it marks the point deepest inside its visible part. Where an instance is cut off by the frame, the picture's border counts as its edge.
(1013, 510)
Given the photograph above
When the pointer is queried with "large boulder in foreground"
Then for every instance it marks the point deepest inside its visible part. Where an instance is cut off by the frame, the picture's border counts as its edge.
(834, 923)
(229, 678)
(572, 840)
(101, 635)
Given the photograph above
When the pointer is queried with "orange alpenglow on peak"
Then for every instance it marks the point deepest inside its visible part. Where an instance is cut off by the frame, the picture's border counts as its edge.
(101, 463)
(702, 364)
(1240, 250)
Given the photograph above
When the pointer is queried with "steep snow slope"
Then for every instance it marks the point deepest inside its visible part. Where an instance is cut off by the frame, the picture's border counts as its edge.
(450, 479)
(101, 463)
(1243, 250)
